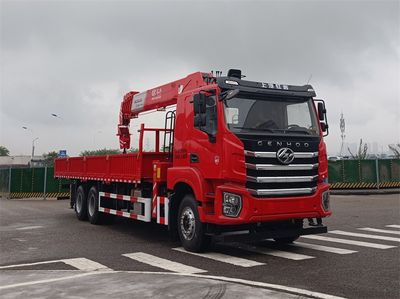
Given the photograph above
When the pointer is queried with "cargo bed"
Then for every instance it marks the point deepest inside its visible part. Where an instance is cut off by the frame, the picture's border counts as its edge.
(128, 168)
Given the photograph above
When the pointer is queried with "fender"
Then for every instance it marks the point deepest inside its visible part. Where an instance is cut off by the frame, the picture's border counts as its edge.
(190, 176)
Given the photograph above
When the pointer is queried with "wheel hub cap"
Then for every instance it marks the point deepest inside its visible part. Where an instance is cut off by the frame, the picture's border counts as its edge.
(78, 204)
(91, 205)
(188, 223)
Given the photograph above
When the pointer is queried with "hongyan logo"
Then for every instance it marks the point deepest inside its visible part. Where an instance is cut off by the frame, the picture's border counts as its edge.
(285, 155)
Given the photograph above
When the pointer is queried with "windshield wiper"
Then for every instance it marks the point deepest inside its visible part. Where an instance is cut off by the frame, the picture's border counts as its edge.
(254, 129)
(286, 131)
(298, 130)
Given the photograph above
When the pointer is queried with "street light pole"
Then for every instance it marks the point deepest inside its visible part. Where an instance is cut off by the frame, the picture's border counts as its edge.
(33, 147)
(33, 141)
(59, 117)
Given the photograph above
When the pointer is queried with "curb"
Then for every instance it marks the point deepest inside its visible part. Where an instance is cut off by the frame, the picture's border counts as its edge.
(364, 191)
(33, 198)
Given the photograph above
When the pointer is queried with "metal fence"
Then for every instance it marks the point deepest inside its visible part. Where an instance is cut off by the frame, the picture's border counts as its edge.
(364, 174)
(32, 182)
(343, 174)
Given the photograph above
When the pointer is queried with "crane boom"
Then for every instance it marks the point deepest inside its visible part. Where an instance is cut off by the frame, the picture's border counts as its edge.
(159, 97)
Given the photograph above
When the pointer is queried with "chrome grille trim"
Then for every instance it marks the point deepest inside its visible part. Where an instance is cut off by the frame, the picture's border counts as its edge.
(293, 191)
(273, 154)
(282, 167)
(282, 179)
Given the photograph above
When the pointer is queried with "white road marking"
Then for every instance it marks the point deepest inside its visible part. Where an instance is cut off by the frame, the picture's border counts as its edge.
(79, 263)
(340, 232)
(237, 261)
(29, 264)
(250, 283)
(385, 231)
(29, 227)
(350, 242)
(162, 263)
(29, 283)
(323, 248)
(393, 226)
(221, 278)
(277, 253)
(85, 264)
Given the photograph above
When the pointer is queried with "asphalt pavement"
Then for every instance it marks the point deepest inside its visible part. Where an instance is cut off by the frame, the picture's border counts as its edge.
(46, 252)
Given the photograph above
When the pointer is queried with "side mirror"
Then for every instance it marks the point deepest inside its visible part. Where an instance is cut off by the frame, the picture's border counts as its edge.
(200, 120)
(205, 115)
(321, 111)
(199, 102)
(211, 119)
(323, 118)
(324, 126)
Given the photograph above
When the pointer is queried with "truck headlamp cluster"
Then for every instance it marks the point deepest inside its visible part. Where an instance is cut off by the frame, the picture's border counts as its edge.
(231, 204)
(325, 201)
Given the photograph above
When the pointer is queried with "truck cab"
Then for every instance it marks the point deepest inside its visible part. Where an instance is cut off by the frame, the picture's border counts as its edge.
(253, 155)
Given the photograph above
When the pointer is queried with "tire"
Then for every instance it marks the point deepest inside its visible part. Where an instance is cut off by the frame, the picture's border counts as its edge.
(94, 216)
(190, 229)
(288, 240)
(81, 204)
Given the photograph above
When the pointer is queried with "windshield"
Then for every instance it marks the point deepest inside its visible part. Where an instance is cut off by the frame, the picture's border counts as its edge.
(275, 115)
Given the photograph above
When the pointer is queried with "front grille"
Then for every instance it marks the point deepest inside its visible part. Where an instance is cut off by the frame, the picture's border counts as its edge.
(267, 177)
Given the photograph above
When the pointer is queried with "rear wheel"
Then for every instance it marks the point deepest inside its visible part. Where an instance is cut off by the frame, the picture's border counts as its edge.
(93, 206)
(190, 229)
(81, 204)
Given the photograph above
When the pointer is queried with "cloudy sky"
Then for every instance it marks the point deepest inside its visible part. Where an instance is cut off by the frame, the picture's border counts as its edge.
(78, 58)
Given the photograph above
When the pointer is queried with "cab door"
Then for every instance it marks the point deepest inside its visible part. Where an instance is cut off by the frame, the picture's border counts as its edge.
(204, 139)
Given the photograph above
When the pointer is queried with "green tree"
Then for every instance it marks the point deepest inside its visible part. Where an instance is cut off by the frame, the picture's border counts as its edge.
(362, 151)
(4, 151)
(49, 158)
(103, 151)
(395, 149)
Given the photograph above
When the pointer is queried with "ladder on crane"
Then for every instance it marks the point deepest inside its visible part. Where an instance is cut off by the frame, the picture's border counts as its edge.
(169, 133)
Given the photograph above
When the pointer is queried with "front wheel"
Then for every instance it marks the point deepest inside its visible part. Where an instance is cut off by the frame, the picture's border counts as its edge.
(190, 229)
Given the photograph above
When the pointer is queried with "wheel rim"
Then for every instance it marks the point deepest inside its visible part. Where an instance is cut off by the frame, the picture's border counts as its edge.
(91, 206)
(188, 223)
(78, 204)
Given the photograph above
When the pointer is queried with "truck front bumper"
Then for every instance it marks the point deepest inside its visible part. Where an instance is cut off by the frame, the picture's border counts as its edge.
(254, 236)
(256, 209)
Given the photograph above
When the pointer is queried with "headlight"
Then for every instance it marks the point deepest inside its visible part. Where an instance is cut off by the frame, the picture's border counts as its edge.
(231, 204)
(325, 201)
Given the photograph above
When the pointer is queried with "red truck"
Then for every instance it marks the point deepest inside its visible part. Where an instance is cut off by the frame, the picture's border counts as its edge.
(236, 160)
